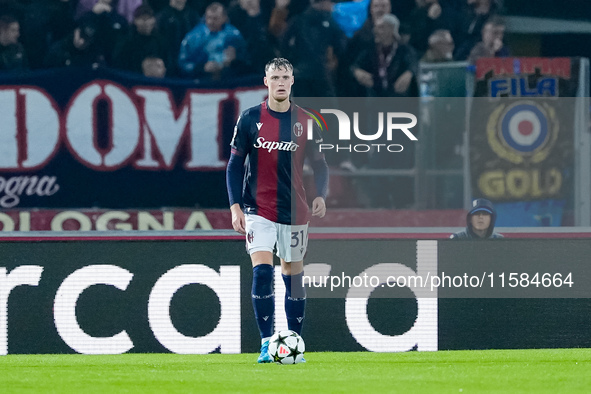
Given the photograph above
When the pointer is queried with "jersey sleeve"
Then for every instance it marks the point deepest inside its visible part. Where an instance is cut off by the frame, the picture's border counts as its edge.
(318, 162)
(235, 169)
(313, 146)
(234, 178)
(241, 139)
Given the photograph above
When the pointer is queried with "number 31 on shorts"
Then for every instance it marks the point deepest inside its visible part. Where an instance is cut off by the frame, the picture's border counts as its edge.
(299, 238)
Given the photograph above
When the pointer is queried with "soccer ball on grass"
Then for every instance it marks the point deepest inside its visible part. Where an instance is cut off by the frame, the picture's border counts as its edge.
(286, 347)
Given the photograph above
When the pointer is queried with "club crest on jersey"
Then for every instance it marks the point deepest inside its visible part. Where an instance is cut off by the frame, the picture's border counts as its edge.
(250, 236)
(298, 129)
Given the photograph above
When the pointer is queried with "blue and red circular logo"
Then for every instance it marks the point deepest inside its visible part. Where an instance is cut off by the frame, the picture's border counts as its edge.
(524, 131)
(524, 128)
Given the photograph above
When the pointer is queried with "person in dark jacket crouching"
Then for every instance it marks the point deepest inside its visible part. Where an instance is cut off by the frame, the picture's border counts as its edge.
(480, 222)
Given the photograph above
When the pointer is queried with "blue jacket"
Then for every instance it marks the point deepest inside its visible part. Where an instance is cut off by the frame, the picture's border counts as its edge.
(201, 45)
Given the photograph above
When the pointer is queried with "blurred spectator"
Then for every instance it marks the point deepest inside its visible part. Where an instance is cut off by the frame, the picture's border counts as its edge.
(252, 22)
(441, 47)
(173, 23)
(214, 49)
(282, 12)
(297, 7)
(84, 6)
(12, 52)
(313, 43)
(126, 8)
(403, 8)
(77, 49)
(157, 5)
(141, 41)
(492, 44)
(480, 222)
(111, 27)
(153, 67)
(471, 21)
(361, 40)
(364, 36)
(250, 8)
(350, 15)
(428, 16)
(45, 22)
(404, 32)
(278, 21)
(13, 8)
(201, 5)
(387, 68)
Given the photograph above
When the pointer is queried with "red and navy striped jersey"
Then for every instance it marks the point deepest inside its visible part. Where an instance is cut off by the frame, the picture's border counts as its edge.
(276, 146)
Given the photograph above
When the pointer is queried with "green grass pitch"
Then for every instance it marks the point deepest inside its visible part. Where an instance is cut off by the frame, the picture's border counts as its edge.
(503, 371)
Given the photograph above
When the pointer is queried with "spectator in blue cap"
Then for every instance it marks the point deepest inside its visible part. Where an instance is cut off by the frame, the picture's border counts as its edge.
(480, 222)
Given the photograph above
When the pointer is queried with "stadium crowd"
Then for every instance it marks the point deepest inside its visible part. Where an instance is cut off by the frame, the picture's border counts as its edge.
(355, 48)
(345, 48)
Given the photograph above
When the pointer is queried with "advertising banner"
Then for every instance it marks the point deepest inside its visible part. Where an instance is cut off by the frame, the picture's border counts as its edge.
(192, 296)
(101, 138)
(521, 137)
(169, 219)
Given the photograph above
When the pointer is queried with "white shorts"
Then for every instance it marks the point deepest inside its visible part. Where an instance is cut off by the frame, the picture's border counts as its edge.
(263, 234)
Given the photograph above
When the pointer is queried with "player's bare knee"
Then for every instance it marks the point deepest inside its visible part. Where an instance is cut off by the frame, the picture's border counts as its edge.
(261, 257)
(292, 268)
